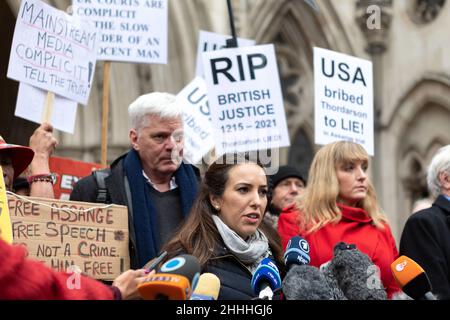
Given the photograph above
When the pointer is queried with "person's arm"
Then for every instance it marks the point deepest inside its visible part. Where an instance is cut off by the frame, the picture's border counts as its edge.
(23, 278)
(43, 143)
(420, 242)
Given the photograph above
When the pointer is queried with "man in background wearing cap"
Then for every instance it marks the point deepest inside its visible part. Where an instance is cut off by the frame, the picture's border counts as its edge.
(287, 184)
(14, 159)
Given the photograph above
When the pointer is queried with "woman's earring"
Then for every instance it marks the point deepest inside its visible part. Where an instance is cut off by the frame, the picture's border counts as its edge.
(217, 208)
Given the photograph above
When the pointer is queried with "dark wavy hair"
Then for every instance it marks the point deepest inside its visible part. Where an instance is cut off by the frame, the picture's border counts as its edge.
(199, 236)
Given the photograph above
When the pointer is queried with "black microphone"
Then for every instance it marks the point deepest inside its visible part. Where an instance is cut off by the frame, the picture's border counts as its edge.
(356, 275)
(297, 252)
(411, 277)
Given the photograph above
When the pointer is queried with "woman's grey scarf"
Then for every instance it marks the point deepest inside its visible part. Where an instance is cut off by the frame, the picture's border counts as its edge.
(250, 251)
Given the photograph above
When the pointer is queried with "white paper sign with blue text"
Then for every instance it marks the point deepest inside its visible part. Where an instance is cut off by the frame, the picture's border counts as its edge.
(198, 133)
(131, 30)
(30, 106)
(210, 41)
(245, 98)
(53, 51)
(343, 96)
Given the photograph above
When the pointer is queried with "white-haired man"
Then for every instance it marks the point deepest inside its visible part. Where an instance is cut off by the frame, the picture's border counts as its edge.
(151, 180)
(426, 236)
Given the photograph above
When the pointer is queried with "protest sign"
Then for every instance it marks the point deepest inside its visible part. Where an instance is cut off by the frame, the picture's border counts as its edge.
(30, 106)
(131, 31)
(245, 98)
(198, 134)
(93, 237)
(5, 221)
(68, 173)
(210, 41)
(53, 51)
(343, 87)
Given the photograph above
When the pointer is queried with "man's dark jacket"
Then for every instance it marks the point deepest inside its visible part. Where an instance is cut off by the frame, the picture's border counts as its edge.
(426, 240)
(119, 193)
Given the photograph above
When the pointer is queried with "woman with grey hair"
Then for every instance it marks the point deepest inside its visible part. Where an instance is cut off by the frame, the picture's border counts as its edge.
(426, 236)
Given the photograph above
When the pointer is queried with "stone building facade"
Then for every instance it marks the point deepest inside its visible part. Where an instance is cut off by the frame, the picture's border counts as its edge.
(407, 40)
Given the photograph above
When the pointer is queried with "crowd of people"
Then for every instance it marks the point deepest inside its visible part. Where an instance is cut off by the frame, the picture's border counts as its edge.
(231, 217)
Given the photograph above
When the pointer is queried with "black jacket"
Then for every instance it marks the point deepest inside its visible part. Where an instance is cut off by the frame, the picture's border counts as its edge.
(235, 278)
(426, 240)
(118, 193)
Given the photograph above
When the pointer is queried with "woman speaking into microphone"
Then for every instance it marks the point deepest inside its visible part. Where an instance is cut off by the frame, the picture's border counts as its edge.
(224, 230)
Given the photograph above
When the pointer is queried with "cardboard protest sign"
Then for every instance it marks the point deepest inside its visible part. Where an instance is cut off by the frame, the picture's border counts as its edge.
(210, 41)
(131, 31)
(30, 106)
(5, 221)
(343, 99)
(53, 51)
(198, 133)
(245, 98)
(68, 172)
(93, 237)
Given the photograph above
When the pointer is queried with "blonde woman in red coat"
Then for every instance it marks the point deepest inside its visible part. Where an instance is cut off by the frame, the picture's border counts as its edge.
(339, 204)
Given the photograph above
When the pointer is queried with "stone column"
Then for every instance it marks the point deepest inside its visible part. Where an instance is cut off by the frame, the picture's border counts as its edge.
(374, 19)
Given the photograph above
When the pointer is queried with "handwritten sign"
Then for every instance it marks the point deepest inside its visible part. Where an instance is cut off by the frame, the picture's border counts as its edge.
(198, 133)
(244, 94)
(5, 221)
(68, 172)
(30, 106)
(132, 31)
(53, 51)
(63, 234)
(343, 87)
(210, 41)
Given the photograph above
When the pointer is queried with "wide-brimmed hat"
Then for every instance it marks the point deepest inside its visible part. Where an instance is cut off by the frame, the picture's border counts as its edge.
(20, 156)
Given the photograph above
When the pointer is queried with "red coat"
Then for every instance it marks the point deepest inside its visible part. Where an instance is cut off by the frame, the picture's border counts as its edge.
(23, 278)
(356, 228)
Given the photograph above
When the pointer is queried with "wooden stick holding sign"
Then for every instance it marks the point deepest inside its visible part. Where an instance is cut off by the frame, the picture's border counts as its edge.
(105, 113)
(48, 107)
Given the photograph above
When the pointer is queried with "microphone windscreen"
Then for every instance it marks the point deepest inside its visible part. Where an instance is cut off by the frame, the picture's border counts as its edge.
(305, 282)
(297, 252)
(266, 272)
(357, 276)
(208, 286)
(411, 277)
(185, 265)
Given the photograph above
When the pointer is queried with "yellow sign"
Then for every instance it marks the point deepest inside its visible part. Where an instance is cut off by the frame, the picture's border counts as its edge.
(5, 221)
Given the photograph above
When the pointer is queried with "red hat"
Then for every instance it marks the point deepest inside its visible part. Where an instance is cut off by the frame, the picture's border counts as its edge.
(20, 156)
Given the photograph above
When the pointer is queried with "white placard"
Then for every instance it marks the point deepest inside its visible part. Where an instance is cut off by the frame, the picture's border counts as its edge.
(30, 106)
(210, 41)
(198, 133)
(131, 30)
(53, 51)
(343, 87)
(245, 98)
